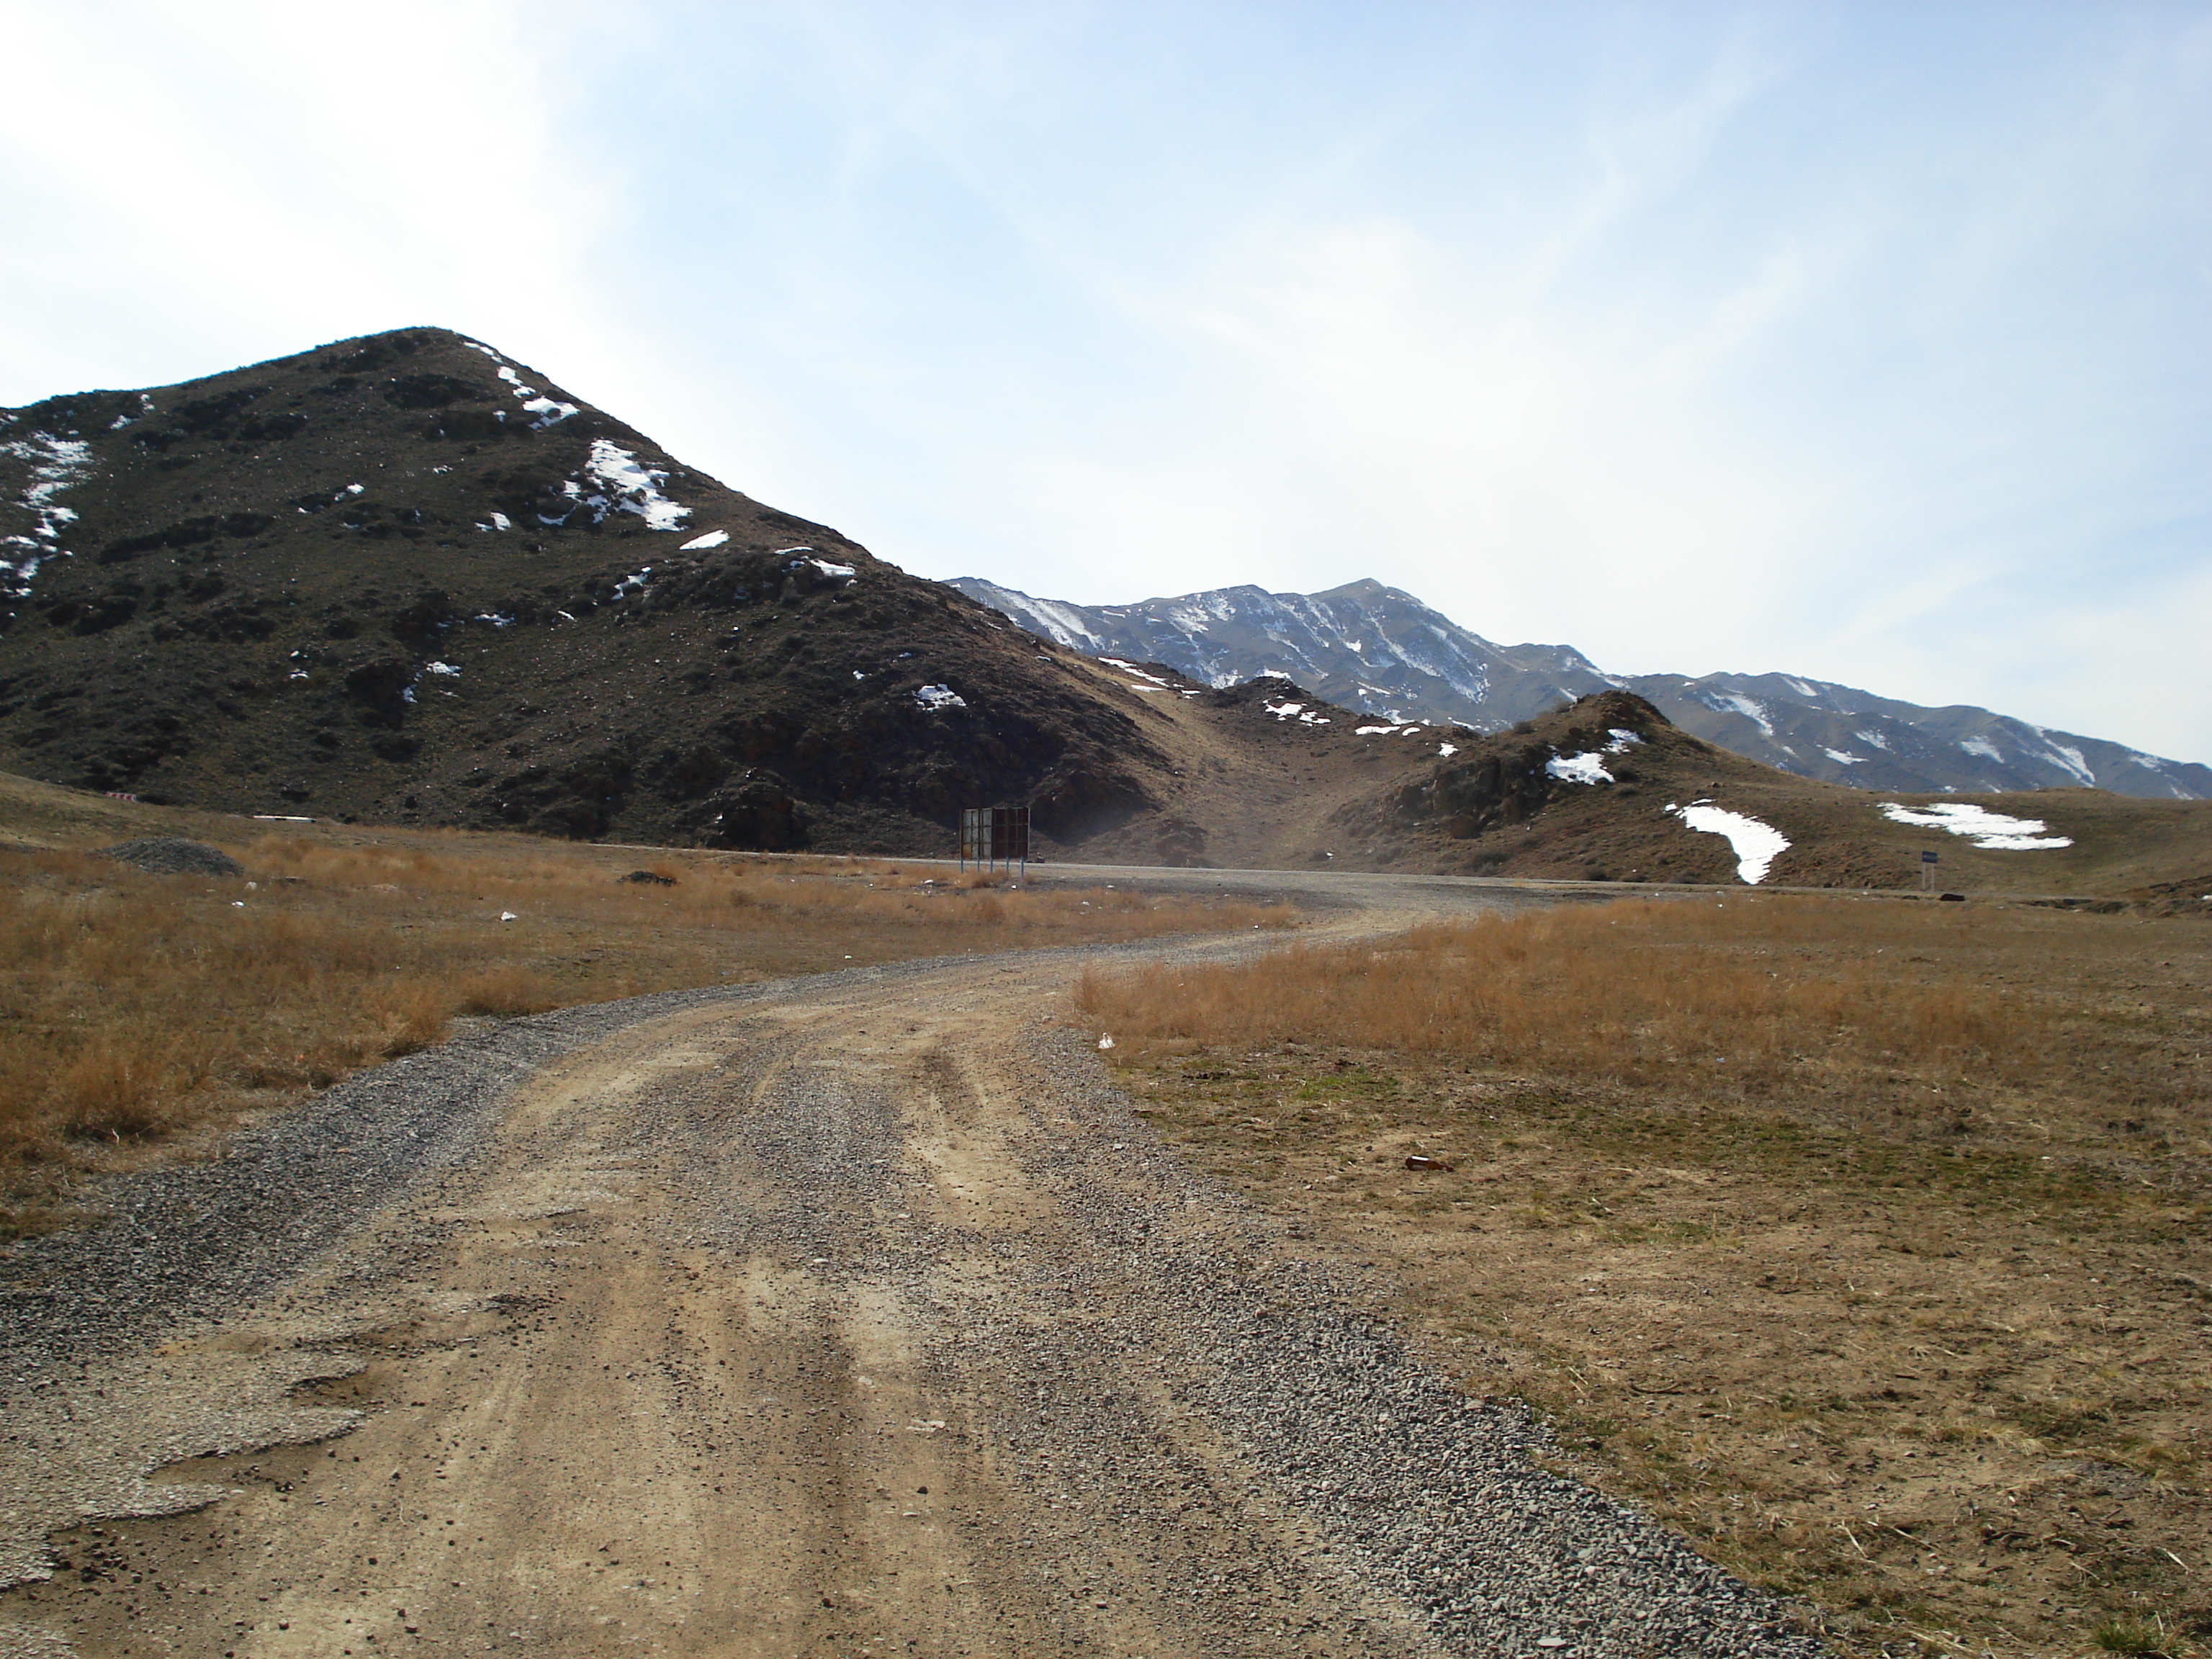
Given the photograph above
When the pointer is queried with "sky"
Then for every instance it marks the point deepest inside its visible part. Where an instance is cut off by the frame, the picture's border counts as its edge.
(1868, 340)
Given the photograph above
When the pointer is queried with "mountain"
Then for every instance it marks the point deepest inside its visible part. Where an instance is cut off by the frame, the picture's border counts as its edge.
(1363, 645)
(1380, 649)
(405, 578)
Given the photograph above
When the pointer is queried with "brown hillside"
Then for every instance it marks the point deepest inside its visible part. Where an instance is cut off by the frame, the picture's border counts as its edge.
(378, 581)
(1494, 809)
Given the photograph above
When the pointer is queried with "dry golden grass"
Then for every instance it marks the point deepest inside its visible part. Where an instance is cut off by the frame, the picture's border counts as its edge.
(1634, 991)
(134, 1005)
(1899, 1300)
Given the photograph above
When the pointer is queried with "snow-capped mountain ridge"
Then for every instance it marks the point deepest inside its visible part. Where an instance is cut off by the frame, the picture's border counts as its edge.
(1364, 644)
(1370, 646)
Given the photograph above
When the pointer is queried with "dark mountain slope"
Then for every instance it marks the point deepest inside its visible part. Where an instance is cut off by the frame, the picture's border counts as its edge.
(401, 577)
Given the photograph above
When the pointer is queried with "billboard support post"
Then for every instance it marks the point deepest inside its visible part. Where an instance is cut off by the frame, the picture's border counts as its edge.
(994, 835)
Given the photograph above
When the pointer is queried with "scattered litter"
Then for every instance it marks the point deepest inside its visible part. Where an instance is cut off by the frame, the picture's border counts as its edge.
(1106, 1042)
(1757, 845)
(508, 915)
(1994, 830)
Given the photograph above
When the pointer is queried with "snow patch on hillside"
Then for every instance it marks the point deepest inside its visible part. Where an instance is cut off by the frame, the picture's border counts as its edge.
(2066, 757)
(624, 486)
(1579, 768)
(1757, 845)
(1997, 831)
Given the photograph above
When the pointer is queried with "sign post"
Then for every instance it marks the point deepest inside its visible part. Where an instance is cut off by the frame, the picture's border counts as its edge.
(991, 836)
(1928, 872)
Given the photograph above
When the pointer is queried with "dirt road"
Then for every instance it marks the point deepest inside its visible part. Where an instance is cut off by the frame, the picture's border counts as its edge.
(854, 1315)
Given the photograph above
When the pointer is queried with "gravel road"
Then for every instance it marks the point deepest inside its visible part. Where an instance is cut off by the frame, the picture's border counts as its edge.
(854, 1315)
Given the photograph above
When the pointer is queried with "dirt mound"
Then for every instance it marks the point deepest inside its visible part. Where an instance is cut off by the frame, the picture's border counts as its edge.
(173, 856)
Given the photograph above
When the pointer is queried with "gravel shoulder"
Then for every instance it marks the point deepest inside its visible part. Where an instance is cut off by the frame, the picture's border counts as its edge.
(853, 1313)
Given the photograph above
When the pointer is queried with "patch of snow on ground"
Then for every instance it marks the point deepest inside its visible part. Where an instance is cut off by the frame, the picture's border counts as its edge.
(1446, 749)
(626, 487)
(1579, 768)
(635, 583)
(2066, 755)
(939, 697)
(499, 521)
(440, 668)
(1983, 747)
(496, 621)
(834, 572)
(1623, 741)
(1750, 707)
(1873, 738)
(701, 543)
(781, 551)
(1375, 731)
(1757, 845)
(1132, 668)
(548, 412)
(1994, 830)
(1297, 711)
(56, 464)
(1843, 757)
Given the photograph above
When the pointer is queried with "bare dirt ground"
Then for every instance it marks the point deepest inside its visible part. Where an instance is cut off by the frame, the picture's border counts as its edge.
(851, 1316)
